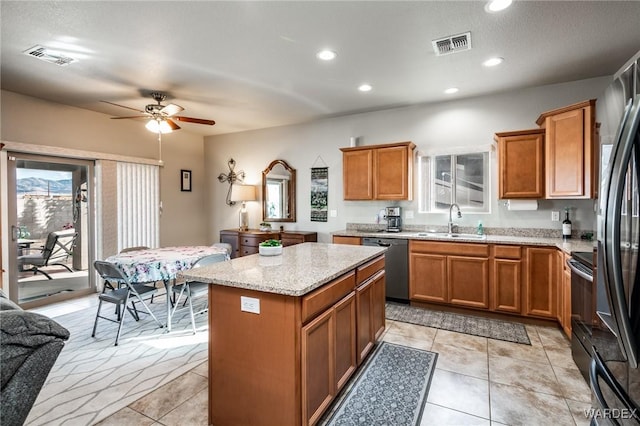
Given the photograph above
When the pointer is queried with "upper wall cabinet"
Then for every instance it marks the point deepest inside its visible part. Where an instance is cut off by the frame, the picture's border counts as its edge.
(570, 160)
(521, 164)
(378, 172)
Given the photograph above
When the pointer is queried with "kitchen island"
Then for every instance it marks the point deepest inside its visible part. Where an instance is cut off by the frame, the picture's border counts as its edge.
(287, 332)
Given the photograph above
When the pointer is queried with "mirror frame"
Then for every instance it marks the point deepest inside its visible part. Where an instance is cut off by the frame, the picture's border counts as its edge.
(291, 192)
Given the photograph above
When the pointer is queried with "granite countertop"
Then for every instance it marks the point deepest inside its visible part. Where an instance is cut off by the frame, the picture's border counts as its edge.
(300, 268)
(566, 246)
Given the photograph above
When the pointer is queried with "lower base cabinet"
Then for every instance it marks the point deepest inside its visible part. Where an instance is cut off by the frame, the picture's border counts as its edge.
(540, 286)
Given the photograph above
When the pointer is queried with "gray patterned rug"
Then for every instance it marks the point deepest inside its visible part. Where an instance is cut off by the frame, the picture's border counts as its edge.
(390, 389)
(467, 324)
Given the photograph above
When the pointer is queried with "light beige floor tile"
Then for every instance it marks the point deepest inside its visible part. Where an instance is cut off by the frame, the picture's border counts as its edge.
(532, 331)
(459, 392)
(579, 410)
(553, 336)
(527, 375)
(560, 356)
(164, 399)
(441, 416)
(202, 369)
(516, 406)
(461, 360)
(412, 331)
(193, 412)
(466, 341)
(572, 384)
(517, 351)
(399, 339)
(127, 416)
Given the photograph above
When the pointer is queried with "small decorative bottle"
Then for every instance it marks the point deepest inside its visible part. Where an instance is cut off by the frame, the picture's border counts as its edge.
(566, 226)
(480, 229)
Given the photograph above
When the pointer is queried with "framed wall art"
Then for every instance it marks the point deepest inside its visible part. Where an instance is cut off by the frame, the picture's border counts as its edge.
(185, 180)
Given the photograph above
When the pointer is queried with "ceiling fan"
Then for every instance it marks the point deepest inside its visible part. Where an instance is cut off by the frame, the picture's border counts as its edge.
(161, 117)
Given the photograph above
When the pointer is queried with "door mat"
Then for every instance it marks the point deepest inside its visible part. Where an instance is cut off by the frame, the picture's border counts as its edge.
(467, 324)
(391, 388)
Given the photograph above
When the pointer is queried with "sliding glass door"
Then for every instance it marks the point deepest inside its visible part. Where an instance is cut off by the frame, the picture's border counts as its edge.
(50, 217)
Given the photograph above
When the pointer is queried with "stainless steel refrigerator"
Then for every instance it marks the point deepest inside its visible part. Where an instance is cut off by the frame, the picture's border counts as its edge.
(614, 370)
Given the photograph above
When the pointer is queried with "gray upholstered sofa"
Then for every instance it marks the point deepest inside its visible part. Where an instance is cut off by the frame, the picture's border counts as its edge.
(29, 346)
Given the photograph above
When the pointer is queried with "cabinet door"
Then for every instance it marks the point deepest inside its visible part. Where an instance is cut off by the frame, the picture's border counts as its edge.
(318, 366)
(565, 155)
(393, 173)
(378, 305)
(566, 297)
(521, 164)
(540, 285)
(232, 238)
(358, 174)
(355, 241)
(364, 313)
(345, 340)
(428, 277)
(468, 279)
(507, 282)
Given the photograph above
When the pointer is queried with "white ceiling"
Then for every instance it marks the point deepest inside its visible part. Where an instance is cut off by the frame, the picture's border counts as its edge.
(250, 65)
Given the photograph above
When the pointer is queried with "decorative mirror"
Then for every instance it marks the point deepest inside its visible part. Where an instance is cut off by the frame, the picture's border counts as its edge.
(279, 192)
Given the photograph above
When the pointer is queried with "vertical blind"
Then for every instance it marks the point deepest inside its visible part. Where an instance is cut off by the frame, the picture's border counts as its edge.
(138, 205)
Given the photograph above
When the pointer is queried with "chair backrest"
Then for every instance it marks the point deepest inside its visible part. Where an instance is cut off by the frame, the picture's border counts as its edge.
(49, 246)
(210, 259)
(110, 272)
(63, 245)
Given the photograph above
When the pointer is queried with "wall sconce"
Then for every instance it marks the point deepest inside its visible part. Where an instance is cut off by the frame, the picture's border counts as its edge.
(243, 193)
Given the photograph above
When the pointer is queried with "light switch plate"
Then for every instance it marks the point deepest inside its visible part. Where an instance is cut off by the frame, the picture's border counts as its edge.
(250, 304)
(333, 213)
(555, 216)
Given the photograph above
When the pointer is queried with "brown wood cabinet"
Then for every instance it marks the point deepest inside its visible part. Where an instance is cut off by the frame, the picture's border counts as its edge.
(454, 273)
(540, 284)
(354, 241)
(244, 243)
(564, 293)
(378, 172)
(570, 154)
(521, 164)
(506, 283)
(303, 349)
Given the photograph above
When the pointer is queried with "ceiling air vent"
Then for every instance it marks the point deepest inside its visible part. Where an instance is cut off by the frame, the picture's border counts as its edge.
(47, 55)
(452, 44)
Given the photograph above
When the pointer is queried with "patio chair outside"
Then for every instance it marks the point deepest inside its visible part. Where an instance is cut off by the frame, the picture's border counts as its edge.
(57, 249)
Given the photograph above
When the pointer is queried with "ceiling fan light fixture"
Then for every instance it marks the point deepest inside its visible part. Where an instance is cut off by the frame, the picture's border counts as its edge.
(497, 5)
(158, 126)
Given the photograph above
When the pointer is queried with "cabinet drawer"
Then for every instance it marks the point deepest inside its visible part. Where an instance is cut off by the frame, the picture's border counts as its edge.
(251, 241)
(369, 269)
(507, 252)
(324, 297)
(467, 249)
(245, 251)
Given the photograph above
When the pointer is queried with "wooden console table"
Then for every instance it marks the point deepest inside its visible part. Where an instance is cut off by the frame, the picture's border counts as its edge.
(244, 243)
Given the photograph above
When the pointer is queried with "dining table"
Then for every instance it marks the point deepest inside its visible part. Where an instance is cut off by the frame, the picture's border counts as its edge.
(161, 264)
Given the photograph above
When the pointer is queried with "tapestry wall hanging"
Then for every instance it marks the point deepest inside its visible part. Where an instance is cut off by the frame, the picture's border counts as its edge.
(319, 193)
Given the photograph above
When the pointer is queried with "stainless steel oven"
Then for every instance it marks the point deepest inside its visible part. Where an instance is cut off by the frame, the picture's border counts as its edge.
(583, 307)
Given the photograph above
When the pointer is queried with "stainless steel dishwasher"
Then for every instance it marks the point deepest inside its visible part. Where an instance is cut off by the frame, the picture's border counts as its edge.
(396, 266)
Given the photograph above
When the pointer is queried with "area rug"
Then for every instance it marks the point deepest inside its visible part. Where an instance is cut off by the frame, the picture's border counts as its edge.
(467, 324)
(93, 379)
(390, 389)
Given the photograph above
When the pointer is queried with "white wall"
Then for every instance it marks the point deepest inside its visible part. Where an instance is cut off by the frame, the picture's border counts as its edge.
(456, 123)
(184, 218)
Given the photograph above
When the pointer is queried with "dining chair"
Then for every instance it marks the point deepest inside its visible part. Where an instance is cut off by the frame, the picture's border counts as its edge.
(121, 293)
(196, 288)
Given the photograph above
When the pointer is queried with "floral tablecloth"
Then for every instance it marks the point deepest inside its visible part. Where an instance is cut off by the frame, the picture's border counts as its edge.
(160, 264)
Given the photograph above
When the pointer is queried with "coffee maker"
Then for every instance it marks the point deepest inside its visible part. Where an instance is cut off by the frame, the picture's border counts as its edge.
(394, 220)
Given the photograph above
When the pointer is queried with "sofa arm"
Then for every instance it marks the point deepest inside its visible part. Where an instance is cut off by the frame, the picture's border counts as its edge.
(30, 344)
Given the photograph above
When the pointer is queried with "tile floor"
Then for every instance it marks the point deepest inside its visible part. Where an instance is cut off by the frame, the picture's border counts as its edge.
(477, 381)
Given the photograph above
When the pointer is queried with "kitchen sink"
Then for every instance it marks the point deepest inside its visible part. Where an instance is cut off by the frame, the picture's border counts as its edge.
(451, 236)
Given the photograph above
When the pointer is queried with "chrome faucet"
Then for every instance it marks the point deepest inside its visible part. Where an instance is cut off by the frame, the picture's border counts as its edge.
(452, 228)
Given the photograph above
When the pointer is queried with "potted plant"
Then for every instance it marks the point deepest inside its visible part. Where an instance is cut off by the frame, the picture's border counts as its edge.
(270, 248)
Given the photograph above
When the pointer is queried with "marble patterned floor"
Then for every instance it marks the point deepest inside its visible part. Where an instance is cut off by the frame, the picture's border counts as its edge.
(478, 381)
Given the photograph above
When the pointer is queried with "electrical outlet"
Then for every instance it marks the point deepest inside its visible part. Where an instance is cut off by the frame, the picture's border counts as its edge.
(333, 213)
(250, 304)
(408, 214)
(555, 216)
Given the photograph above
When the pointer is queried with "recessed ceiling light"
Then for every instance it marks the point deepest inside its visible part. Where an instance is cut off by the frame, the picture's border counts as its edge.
(365, 87)
(451, 90)
(497, 5)
(326, 55)
(492, 62)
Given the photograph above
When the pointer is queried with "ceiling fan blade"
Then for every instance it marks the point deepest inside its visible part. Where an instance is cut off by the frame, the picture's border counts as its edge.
(172, 124)
(122, 106)
(195, 120)
(130, 116)
(171, 109)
